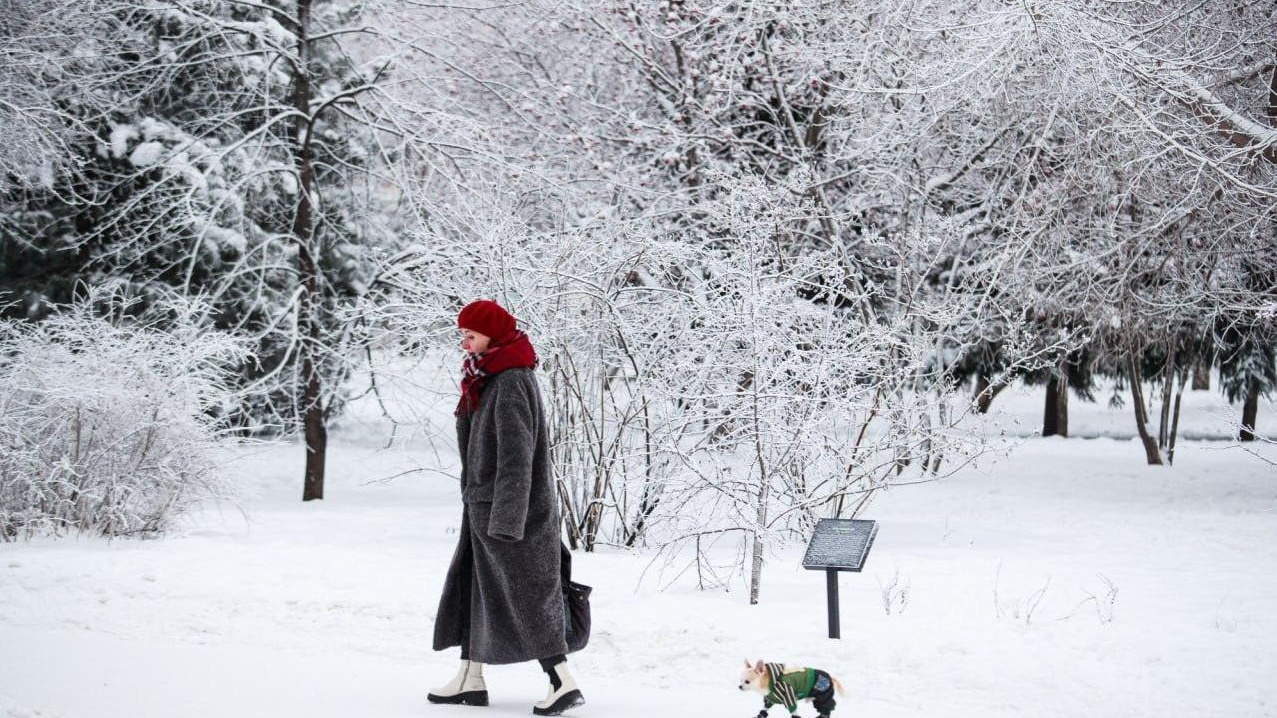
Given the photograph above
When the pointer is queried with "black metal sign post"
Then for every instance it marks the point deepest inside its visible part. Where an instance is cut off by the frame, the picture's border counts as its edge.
(839, 545)
(831, 592)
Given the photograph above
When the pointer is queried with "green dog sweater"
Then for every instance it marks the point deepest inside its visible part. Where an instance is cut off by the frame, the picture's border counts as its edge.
(788, 688)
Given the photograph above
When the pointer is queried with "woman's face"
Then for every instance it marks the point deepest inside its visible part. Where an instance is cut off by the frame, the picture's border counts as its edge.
(473, 342)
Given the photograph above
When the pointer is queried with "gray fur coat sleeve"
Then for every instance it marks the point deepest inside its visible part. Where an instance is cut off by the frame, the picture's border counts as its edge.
(514, 413)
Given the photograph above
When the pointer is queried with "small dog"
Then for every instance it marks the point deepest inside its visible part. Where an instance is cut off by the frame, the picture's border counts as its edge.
(786, 685)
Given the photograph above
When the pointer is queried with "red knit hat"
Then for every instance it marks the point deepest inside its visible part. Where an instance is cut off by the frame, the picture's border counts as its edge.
(486, 317)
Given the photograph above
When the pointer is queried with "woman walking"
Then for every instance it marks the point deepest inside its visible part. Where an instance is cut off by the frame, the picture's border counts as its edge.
(503, 597)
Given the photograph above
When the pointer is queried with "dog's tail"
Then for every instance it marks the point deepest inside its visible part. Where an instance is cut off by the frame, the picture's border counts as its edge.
(838, 686)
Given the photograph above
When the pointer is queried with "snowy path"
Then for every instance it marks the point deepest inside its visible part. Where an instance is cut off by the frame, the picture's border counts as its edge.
(324, 610)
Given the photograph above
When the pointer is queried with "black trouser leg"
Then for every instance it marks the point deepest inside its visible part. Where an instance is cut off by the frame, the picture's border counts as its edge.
(824, 700)
(548, 664)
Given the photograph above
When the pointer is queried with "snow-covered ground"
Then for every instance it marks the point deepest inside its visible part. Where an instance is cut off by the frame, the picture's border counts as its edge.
(324, 609)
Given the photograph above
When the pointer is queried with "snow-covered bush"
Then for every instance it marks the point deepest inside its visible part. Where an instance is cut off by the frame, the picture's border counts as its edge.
(107, 423)
(719, 387)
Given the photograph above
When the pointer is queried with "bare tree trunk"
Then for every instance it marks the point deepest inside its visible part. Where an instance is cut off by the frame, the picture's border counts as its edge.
(982, 397)
(924, 427)
(1201, 373)
(985, 392)
(570, 521)
(1151, 451)
(943, 412)
(756, 568)
(1062, 404)
(1055, 416)
(314, 428)
(1179, 395)
(602, 469)
(1168, 387)
(651, 493)
(1250, 411)
(647, 504)
(1051, 410)
(1271, 110)
(756, 565)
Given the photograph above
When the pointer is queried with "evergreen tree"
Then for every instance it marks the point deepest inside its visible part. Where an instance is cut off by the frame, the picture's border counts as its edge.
(1247, 371)
(182, 179)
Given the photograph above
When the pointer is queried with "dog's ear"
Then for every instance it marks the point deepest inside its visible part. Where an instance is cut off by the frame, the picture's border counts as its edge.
(759, 667)
(748, 664)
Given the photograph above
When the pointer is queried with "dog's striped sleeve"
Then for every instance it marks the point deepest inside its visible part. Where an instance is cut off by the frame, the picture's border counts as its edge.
(781, 692)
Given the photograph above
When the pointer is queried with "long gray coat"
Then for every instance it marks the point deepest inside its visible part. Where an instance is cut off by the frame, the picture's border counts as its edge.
(504, 586)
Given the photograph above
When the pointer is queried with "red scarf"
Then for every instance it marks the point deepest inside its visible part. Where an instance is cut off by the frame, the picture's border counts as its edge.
(514, 351)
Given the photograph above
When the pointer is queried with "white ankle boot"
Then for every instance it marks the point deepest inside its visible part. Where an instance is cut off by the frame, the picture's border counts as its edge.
(466, 687)
(566, 696)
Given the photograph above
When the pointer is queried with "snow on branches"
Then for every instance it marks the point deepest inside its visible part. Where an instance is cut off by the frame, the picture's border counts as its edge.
(108, 418)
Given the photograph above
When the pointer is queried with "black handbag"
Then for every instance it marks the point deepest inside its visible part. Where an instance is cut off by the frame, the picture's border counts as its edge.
(576, 606)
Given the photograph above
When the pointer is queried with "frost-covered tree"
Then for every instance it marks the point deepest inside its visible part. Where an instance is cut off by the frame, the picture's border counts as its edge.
(895, 200)
(1187, 172)
(1248, 371)
(232, 151)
